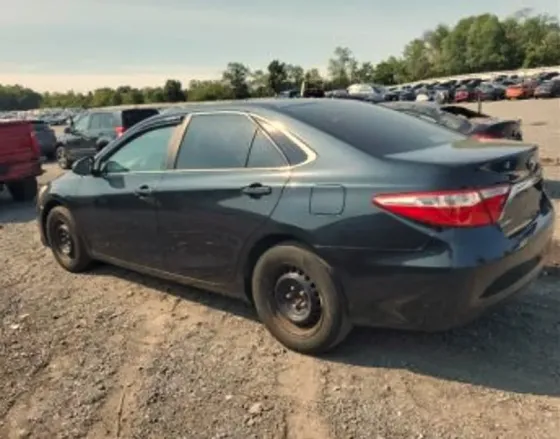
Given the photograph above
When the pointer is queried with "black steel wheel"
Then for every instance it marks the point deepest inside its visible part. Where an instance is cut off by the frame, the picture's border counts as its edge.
(66, 244)
(297, 298)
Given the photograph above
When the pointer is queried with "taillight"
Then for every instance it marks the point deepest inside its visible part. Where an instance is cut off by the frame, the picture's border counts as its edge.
(35, 144)
(462, 208)
(119, 131)
(485, 136)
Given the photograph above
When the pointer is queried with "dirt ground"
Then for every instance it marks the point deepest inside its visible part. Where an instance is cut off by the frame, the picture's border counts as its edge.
(113, 354)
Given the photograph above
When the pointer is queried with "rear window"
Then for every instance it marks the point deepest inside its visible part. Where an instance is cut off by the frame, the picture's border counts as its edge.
(370, 128)
(132, 117)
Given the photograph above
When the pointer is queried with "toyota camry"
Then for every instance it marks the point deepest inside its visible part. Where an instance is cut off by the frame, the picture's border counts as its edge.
(322, 213)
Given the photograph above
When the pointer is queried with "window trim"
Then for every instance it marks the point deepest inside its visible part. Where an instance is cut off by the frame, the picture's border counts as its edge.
(254, 118)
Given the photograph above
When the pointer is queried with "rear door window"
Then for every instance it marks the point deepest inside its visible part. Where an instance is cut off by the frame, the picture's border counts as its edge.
(216, 141)
(264, 154)
(371, 128)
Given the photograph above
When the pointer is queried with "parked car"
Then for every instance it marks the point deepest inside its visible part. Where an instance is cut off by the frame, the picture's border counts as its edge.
(468, 122)
(20, 162)
(369, 92)
(465, 93)
(323, 213)
(488, 92)
(392, 94)
(46, 138)
(93, 130)
(407, 94)
(548, 89)
(521, 90)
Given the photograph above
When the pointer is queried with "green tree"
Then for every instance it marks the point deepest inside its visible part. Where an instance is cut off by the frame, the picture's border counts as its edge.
(236, 76)
(209, 91)
(295, 75)
(277, 76)
(173, 91)
(342, 67)
(365, 73)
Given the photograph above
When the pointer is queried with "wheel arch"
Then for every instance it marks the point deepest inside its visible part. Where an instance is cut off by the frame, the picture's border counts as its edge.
(49, 206)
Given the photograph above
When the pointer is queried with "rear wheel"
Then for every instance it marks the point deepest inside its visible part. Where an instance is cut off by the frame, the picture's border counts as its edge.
(62, 157)
(23, 190)
(65, 242)
(297, 299)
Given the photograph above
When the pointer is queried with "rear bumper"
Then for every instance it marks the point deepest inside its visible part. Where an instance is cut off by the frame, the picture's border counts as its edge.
(445, 285)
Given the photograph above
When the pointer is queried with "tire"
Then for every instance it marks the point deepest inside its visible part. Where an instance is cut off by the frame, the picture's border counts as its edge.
(23, 190)
(62, 157)
(288, 267)
(74, 259)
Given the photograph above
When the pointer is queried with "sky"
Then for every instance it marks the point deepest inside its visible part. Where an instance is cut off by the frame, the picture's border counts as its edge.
(57, 45)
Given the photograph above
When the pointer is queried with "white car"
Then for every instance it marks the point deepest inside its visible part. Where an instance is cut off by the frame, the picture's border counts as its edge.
(374, 93)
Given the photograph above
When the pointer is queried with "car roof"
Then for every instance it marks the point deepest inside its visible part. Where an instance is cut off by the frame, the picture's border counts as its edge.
(249, 105)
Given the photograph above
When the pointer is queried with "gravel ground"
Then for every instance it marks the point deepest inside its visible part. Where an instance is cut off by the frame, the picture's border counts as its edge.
(114, 354)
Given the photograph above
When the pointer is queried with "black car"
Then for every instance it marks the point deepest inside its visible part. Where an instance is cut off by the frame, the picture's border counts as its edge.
(549, 88)
(45, 137)
(407, 94)
(458, 118)
(323, 213)
(93, 130)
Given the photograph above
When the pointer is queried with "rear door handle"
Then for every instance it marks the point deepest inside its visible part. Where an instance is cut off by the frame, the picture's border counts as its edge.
(143, 191)
(256, 190)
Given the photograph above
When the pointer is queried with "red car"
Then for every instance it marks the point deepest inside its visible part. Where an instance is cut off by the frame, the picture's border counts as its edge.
(465, 94)
(20, 162)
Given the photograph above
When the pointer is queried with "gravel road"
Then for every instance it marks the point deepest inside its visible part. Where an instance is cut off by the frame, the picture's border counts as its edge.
(113, 354)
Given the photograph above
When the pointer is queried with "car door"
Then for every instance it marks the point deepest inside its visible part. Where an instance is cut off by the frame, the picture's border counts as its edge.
(228, 179)
(118, 205)
(80, 142)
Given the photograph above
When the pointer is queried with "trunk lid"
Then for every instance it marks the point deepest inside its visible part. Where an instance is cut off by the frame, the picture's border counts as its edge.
(472, 164)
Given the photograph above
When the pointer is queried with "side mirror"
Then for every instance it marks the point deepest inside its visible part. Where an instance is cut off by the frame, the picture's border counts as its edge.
(67, 130)
(83, 166)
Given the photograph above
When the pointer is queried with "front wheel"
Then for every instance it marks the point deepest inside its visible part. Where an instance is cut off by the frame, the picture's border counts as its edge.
(297, 299)
(65, 242)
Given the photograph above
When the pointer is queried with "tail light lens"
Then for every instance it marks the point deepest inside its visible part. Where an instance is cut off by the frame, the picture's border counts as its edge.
(463, 208)
(485, 136)
(119, 131)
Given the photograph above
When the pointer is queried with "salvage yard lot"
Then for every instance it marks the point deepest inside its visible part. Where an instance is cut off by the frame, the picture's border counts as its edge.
(116, 354)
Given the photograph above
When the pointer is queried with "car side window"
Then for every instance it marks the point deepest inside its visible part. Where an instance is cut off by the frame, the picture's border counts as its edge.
(108, 121)
(95, 123)
(216, 141)
(147, 152)
(82, 124)
(264, 154)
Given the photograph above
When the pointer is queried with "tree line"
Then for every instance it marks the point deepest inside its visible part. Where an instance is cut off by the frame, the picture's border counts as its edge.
(475, 44)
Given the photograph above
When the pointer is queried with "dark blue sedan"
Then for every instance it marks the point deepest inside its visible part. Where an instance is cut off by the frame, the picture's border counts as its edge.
(323, 213)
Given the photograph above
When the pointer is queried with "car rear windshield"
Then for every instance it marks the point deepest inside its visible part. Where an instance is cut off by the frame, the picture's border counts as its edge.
(371, 128)
(132, 117)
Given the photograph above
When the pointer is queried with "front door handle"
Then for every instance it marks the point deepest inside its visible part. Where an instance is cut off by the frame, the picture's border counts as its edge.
(143, 191)
(256, 190)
